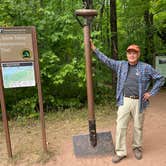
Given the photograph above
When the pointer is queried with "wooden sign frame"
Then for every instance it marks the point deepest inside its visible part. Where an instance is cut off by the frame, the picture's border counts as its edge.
(28, 54)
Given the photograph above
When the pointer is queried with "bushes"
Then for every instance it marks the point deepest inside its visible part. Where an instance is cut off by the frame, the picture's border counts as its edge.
(24, 108)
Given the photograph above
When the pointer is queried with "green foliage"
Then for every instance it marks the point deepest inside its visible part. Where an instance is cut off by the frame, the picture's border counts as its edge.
(61, 49)
(25, 108)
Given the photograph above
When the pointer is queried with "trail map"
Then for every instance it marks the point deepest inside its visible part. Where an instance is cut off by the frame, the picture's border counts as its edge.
(18, 74)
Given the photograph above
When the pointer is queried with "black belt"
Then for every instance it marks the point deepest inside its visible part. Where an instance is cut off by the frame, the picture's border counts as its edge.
(133, 97)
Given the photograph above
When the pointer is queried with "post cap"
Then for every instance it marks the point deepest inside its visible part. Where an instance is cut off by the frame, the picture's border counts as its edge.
(86, 12)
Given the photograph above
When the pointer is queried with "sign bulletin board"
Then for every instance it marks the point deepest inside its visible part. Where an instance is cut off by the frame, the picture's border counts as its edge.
(17, 57)
(19, 67)
(161, 64)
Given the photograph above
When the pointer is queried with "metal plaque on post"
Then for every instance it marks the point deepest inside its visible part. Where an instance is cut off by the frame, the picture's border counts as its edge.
(19, 68)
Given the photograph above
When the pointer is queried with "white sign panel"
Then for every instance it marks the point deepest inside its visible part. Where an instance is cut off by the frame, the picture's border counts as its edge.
(18, 74)
(161, 65)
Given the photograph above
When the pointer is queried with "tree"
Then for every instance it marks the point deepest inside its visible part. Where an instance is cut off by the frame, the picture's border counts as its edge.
(149, 41)
(114, 36)
(60, 43)
(88, 4)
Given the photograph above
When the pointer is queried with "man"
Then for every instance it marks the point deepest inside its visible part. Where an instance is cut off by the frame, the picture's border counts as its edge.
(133, 80)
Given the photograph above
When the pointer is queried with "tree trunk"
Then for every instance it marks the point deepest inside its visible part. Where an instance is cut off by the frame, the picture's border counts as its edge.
(88, 4)
(108, 28)
(149, 40)
(114, 36)
(101, 18)
(41, 4)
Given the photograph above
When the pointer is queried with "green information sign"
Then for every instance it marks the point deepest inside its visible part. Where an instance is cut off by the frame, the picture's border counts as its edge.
(18, 74)
(161, 64)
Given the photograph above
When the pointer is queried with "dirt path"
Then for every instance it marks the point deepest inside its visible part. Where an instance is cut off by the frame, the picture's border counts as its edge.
(26, 143)
(154, 142)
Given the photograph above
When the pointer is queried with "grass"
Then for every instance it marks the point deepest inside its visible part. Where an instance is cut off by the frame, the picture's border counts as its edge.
(60, 126)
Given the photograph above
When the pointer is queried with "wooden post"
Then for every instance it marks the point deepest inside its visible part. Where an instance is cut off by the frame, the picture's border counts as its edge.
(37, 71)
(4, 116)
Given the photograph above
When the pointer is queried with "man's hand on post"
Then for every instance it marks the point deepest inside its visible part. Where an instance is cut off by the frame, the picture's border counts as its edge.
(92, 46)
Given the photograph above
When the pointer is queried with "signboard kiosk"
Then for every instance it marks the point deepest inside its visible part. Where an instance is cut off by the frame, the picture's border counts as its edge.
(19, 67)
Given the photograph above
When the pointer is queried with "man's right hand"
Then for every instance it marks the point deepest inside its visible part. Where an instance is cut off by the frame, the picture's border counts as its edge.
(92, 46)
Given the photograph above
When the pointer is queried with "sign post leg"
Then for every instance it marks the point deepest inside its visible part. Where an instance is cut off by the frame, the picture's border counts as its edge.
(37, 70)
(4, 117)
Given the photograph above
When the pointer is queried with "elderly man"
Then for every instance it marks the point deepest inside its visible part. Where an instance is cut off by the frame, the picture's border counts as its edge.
(133, 79)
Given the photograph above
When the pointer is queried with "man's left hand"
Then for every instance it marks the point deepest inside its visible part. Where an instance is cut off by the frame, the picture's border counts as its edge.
(146, 96)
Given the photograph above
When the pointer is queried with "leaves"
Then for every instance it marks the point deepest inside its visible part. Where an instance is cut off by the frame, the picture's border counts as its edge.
(61, 48)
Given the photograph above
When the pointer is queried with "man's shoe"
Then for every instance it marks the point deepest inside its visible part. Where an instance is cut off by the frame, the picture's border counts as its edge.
(137, 153)
(117, 159)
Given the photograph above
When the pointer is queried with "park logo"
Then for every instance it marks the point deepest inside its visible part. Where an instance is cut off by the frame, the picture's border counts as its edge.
(26, 53)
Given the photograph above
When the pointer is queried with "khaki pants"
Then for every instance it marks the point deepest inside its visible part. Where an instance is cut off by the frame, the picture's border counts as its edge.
(130, 109)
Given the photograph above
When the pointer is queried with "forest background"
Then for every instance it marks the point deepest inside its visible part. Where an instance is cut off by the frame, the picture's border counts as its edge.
(61, 50)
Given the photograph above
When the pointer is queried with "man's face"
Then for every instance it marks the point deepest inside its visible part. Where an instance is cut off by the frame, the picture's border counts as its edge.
(132, 57)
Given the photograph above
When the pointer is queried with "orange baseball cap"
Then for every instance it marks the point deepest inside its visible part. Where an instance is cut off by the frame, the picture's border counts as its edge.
(133, 47)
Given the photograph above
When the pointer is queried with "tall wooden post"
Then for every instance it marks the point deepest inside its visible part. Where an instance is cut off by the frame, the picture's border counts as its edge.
(4, 116)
